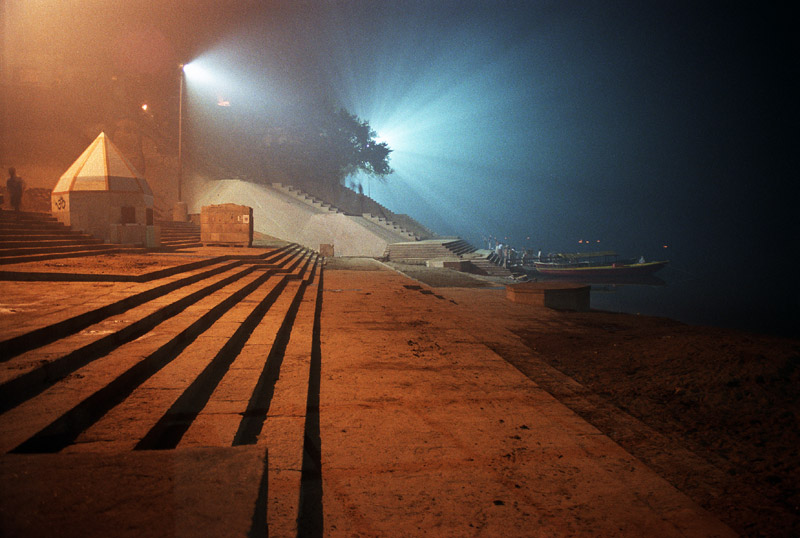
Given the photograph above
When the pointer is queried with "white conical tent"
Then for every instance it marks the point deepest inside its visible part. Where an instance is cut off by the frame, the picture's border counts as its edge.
(102, 167)
(102, 194)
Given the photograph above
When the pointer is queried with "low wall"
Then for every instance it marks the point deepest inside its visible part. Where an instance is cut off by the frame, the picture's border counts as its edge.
(555, 295)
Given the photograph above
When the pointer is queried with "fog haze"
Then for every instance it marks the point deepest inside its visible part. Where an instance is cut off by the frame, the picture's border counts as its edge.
(663, 129)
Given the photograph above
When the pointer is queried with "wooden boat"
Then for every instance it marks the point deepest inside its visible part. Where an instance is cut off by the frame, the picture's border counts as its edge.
(595, 264)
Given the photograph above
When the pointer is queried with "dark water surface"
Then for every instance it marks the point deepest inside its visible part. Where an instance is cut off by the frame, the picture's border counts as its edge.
(732, 297)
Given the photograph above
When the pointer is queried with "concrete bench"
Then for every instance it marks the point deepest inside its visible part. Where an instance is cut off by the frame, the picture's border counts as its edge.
(555, 295)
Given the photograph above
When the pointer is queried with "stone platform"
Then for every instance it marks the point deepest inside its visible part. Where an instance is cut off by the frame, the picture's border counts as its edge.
(281, 394)
(555, 295)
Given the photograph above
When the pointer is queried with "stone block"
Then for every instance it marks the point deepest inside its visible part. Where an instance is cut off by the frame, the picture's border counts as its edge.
(227, 224)
(326, 250)
(455, 264)
(555, 295)
(180, 212)
(153, 238)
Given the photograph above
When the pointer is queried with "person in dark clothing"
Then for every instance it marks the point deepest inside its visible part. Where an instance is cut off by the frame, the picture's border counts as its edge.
(14, 185)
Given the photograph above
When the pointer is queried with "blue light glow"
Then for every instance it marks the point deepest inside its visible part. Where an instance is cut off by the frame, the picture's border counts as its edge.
(549, 125)
(196, 72)
(543, 120)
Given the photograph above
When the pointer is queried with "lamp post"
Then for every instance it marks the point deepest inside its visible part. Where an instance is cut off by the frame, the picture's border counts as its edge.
(180, 133)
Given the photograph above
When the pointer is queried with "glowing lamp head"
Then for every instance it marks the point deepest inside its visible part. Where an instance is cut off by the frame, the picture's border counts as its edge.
(196, 72)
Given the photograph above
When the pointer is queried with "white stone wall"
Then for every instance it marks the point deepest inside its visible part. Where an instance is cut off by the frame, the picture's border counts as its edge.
(279, 215)
(97, 212)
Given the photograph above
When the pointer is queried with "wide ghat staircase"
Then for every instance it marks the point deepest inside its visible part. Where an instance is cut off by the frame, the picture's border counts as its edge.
(179, 234)
(29, 236)
(482, 262)
(211, 370)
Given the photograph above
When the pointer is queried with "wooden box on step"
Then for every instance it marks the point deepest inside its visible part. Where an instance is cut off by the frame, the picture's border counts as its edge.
(226, 224)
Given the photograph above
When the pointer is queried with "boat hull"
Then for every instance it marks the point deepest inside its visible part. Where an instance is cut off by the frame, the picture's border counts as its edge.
(603, 271)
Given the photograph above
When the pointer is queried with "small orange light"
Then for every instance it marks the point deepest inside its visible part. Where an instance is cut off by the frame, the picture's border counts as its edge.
(144, 107)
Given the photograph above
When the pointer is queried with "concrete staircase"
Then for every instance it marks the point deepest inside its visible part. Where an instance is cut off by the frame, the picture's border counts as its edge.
(487, 263)
(30, 236)
(420, 252)
(179, 234)
(220, 355)
(292, 218)
(389, 225)
(306, 198)
(407, 230)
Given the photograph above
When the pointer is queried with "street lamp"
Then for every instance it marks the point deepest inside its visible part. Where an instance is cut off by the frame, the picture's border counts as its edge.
(180, 132)
(189, 72)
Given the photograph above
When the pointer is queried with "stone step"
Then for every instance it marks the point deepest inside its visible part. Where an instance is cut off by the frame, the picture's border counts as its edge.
(28, 250)
(419, 252)
(91, 250)
(24, 376)
(180, 231)
(9, 226)
(189, 243)
(8, 243)
(28, 334)
(75, 402)
(42, 235)
(180, 234)
(306, 198)
(231, 368)
(217, 307)
(178, 392)
(24, 216)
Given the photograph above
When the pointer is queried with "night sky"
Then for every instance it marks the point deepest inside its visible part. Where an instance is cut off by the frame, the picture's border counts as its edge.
(542, 124)
(636, 124)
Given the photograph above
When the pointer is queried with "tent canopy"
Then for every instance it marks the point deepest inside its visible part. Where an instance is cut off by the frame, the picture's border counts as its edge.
(102, 167)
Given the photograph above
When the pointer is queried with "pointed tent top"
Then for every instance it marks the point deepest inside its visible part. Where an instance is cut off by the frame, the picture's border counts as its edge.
(102, 167)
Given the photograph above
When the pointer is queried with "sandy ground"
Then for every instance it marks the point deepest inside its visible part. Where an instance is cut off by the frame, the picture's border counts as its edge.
(719, 411)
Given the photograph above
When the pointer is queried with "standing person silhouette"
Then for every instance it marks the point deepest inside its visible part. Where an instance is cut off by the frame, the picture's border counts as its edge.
(14, 185)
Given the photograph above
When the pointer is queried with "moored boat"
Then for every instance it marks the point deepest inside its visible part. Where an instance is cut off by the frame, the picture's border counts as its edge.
(596, 264)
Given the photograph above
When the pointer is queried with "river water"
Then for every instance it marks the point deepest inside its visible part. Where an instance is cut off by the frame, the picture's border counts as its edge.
(734, 299)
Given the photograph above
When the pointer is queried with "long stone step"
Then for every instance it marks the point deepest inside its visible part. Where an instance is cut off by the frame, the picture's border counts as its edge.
(44, 442)
(75, 252)
(222, 416)
(25, 217)
(37, 368)
(177, 393)
(23, 337)
(179, 231)
(32, 224)
(239, 366)
(291, 429)
(181, 244)
(28, 242)
(257, 349)
(30, 250)
(34, 371)
(40, 234)
(76, 402)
